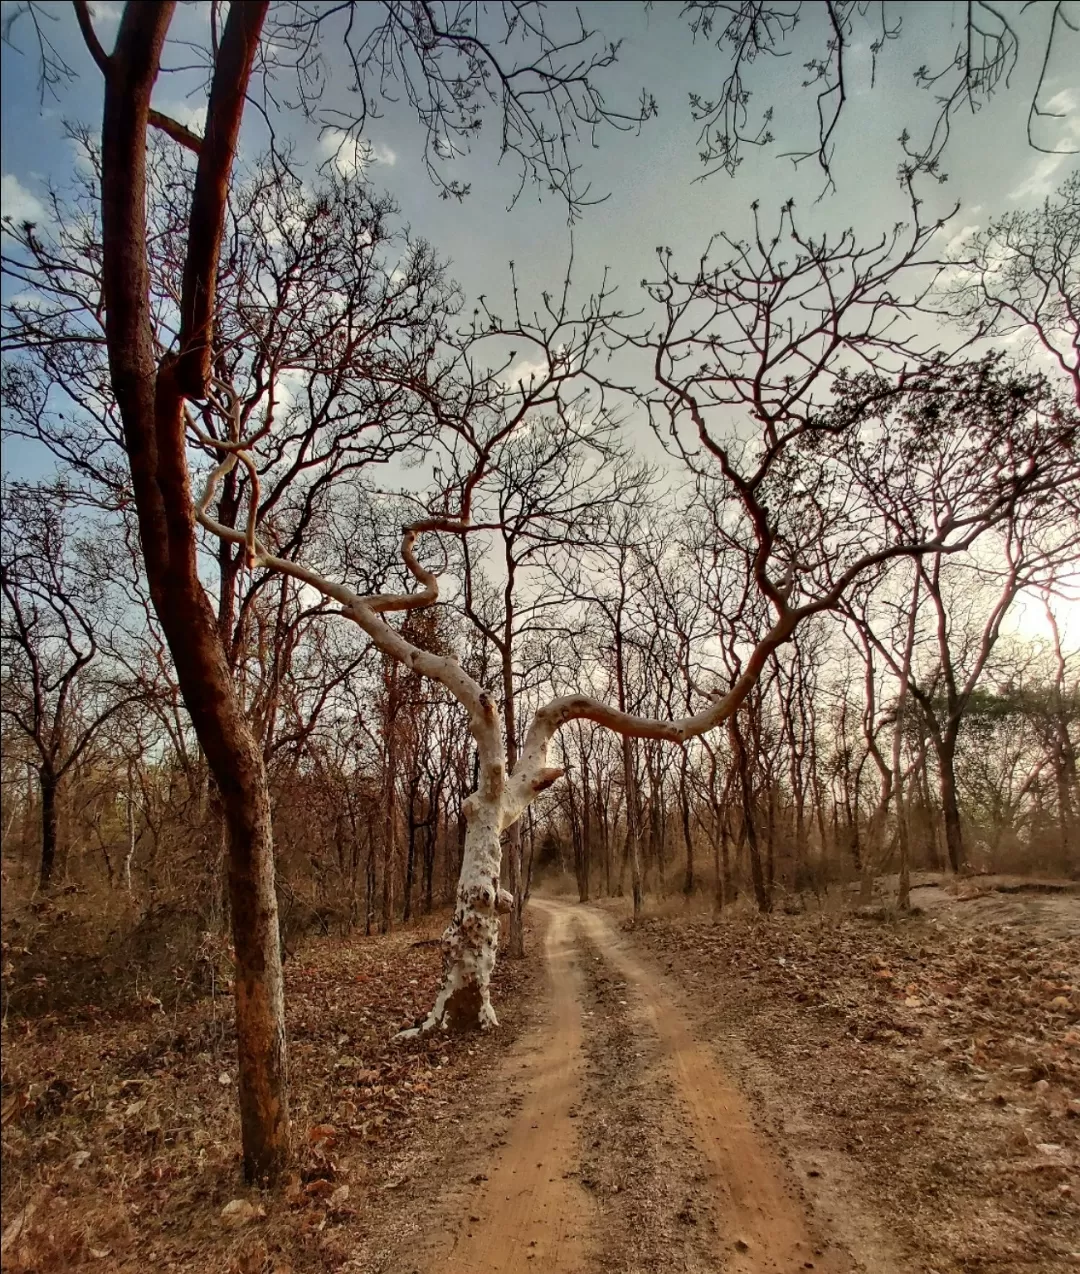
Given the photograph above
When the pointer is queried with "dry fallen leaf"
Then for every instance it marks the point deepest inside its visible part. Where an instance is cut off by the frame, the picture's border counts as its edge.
(240, 1212)
(17, 1228)
(323, 1134)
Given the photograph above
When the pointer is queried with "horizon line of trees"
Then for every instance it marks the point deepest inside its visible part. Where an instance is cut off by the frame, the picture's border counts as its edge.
(810, 784)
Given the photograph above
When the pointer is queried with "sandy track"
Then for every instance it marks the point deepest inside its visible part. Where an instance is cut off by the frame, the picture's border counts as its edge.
(529, 1211)
(756, 1203)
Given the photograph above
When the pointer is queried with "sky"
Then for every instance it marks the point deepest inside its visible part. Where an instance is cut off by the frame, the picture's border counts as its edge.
(653, 197)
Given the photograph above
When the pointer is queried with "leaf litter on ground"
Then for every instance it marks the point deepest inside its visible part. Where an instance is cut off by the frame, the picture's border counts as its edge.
(121, 1132)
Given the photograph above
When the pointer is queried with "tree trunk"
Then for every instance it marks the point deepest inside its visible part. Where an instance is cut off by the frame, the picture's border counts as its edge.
(150, 397)
(431, 836)
(575, 833)
(586, 840)
(727, 884)
(874, 855)
(354, 877)
(800, 867)
(762, 888)
(47, 784)
(954, 840)
(260, 991)
(129, 856)
(633, 849)
(762, 893)
(389, 827)
(718, 880)
(369, 888)
(688, 839)
(517, 892)
(471, 941)
(410, 868)
(532, 851)
(513, 840)
(605, 836)
(904, 890)
(770, 838)
(903, 896)
(930, 818)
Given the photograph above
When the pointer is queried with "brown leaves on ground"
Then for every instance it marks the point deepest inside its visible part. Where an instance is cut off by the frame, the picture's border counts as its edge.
(940, 1055)
(121, 1133)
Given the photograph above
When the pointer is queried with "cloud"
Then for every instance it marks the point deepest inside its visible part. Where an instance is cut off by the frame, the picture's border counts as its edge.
(1063, 103)
(960, 238)
(105, 12)
(353, 157)
(529, 370)
(288, 389)
(18, 203)
(1040, 181)
(81, 151)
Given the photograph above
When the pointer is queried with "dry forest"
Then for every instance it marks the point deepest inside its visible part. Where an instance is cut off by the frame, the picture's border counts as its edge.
(521, 751)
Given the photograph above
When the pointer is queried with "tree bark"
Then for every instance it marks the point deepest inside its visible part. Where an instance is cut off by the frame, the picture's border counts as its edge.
(513, 841)
(471, 940)
(389, 828)
(575, 832)
(410, 862)
(633, 847)
(903, 899)
(954, 838)
(762, 889)
(47, 785)
(129, 856)
(151, 403)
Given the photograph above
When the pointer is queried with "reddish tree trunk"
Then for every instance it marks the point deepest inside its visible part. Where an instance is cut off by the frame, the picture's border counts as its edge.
(151, 403)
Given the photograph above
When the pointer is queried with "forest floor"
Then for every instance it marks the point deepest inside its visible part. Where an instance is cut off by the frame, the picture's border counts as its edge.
(764, 1094)
(919, 1078)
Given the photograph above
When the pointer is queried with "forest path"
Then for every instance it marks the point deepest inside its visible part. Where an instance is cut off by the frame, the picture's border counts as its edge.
(529, 1211)
(660, 1122)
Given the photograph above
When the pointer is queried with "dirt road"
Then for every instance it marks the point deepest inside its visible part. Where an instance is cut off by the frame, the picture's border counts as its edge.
(529, 1211)
(632, 1147)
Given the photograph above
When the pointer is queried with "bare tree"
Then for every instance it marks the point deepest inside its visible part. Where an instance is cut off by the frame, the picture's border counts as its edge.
(1020, 279)
(836, 35)
(924, 472)
(546, 493)
(153, 383)
(55, 691)
(792, 429)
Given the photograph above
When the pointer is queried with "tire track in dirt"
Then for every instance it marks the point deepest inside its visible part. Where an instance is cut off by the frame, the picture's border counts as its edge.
(639, 1161)
(529, 1212)
(763, 1227)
